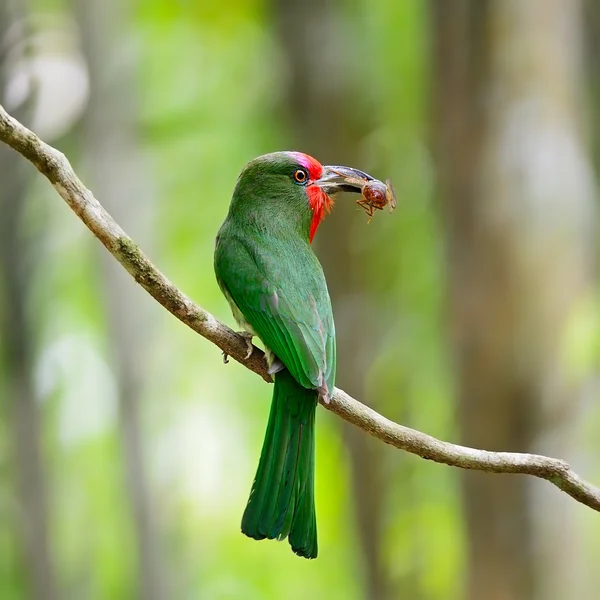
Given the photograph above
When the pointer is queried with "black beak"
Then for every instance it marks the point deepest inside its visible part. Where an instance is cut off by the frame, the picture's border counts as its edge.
(342, 179)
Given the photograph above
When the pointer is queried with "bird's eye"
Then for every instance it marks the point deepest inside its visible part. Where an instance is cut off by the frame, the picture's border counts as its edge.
(300, 176)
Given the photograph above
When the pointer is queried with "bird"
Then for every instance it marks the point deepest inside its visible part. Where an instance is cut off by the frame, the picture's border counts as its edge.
(267, 270)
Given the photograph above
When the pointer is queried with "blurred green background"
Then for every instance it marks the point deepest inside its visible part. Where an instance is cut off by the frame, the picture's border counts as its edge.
(127, 448)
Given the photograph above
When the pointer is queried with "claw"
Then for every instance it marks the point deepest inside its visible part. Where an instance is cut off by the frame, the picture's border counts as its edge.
(323, 391)
(248, 338)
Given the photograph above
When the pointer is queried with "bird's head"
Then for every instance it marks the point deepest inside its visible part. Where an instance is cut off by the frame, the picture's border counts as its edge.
(292, 187)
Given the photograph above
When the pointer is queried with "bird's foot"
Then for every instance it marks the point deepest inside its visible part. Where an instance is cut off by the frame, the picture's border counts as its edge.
(248, 339)
(324, 394)
(326, 398)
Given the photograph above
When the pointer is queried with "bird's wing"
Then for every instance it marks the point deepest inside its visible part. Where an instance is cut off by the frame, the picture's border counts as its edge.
(289, 310)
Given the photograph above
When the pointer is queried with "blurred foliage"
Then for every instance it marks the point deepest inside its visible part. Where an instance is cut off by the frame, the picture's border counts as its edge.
(209, 83)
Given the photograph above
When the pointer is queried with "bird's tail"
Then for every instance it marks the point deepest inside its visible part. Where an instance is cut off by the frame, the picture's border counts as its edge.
(282, 502)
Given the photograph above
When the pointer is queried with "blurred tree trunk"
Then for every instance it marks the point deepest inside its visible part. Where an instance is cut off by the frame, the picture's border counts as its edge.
(120, 180)
(518, 197)
(328, 125)
(592, 65)
(592, 39)
(17, 339)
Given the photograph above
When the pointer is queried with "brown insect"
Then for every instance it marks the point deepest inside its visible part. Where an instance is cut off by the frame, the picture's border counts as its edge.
(376, 195)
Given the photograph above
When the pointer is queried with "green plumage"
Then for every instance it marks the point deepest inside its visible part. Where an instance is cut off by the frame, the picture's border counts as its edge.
(275, 285)
(282, 498)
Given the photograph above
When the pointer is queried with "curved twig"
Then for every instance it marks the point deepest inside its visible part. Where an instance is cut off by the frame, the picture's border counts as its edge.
(57, 169)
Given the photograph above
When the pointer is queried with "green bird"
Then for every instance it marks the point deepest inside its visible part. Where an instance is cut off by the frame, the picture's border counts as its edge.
(274, 283)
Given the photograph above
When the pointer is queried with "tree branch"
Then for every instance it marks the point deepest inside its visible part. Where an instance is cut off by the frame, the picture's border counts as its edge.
(56, 168)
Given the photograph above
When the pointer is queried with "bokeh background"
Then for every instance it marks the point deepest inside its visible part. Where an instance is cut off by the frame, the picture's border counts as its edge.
(127, 448)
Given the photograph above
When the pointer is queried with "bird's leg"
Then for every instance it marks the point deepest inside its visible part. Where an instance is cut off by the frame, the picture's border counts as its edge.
(248, 339)
(323, 392)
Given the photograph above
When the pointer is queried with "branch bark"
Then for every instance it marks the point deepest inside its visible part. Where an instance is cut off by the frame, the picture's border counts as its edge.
(57, 169)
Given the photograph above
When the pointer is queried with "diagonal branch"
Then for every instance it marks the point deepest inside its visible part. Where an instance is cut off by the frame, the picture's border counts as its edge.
(56, 168)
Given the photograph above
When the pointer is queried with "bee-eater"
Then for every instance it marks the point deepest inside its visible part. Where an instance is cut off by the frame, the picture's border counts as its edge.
(274, 283)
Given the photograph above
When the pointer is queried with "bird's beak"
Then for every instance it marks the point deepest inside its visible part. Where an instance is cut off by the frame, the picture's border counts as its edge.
(342, 179)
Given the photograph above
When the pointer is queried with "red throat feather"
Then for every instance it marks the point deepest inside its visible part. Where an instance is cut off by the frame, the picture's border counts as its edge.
(319, 202)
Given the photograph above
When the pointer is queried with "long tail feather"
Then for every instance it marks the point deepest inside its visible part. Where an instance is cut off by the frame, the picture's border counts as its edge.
(281, 502)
